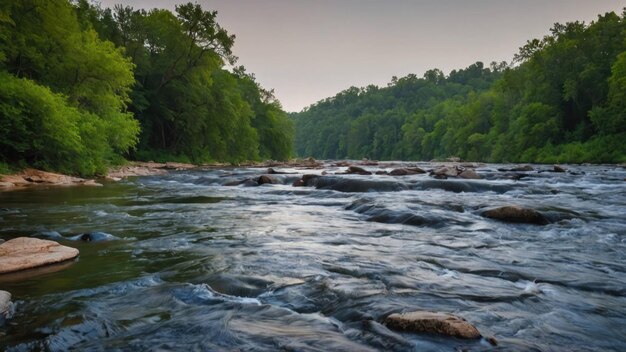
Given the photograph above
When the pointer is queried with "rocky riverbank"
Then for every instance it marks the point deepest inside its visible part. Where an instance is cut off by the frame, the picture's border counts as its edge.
(33, 177)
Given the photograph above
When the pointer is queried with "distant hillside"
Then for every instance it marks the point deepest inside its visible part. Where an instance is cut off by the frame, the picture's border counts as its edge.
(563, 100)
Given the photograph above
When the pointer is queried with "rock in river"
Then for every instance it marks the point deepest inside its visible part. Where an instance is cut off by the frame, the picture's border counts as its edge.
(445, 171)
(469, 174)
(433, 323)
(26, 253)
(513, 213)
(406, 171)
(357, 170)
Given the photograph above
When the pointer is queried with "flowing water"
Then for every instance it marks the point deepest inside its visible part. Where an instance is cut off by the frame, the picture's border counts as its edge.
(183, 262)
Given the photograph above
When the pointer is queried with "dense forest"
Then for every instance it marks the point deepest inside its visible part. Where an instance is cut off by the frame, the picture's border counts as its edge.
(83, 87)
(563, 99)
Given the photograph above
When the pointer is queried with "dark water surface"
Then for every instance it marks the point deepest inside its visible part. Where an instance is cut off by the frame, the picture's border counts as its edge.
(182, 262)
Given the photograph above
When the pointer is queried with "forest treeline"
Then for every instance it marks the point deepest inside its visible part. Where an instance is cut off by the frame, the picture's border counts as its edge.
(82, 87)
(563, 99)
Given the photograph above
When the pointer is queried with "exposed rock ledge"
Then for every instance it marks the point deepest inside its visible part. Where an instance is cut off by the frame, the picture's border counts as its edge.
(34, 177)
(26, 253)
(139, 168)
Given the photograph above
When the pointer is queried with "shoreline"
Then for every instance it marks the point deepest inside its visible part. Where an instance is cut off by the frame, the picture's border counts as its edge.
(30, 177)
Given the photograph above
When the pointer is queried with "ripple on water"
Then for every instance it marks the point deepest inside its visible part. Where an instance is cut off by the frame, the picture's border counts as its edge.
(207, 267)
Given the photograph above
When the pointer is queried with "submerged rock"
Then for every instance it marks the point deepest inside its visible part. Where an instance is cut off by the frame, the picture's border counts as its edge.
(95, 237)
(558, 168)
(433, 323)
(26, 253)
(513, 213)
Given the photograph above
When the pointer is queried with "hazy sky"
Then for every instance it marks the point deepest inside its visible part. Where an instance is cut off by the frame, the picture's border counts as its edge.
(309, 50)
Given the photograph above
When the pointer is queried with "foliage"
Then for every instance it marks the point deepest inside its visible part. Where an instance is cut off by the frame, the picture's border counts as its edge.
(189, 106)
(564, 102)
(82, 86)
(64, 91)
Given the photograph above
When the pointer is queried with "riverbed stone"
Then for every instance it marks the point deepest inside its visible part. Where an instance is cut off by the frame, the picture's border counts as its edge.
(514, 213)
(558, 168)
(25, 253)
(433, 323)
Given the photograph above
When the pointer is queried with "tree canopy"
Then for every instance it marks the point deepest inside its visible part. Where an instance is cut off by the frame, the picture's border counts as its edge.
(563, 100)
(99, 84)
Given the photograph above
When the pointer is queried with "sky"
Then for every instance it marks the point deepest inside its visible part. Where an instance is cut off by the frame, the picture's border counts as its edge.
(309, 50)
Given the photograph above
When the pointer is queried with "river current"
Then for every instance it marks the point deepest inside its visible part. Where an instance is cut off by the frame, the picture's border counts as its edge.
(182, 262)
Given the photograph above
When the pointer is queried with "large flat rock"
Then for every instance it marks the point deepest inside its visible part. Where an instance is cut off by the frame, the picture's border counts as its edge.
(433, 323)
(30, 177)
(26, 253)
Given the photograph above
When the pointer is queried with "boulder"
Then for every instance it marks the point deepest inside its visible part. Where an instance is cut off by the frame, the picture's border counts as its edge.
(513, 213)
(447, 171)
(357, 170)
(433, 323)
(265, 179)
(558, 168)
(381, 172)
(406, 171)
(26, 253)
(469, 174)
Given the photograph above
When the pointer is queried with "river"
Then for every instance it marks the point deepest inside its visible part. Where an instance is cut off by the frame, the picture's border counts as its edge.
(183, 262)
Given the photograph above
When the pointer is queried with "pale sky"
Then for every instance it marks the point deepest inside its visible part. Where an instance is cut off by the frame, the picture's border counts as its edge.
(310, 50)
